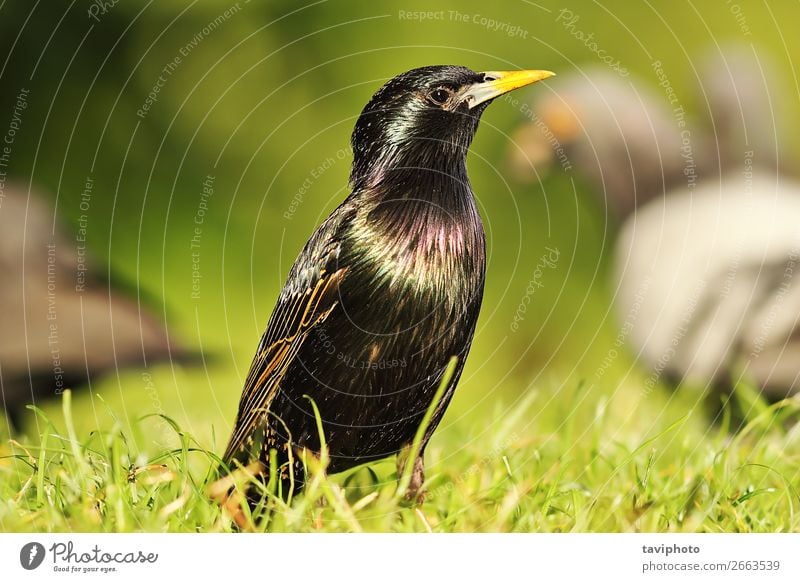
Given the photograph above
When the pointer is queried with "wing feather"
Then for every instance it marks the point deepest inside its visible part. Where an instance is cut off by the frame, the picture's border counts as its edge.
(310, 295)
(295, 317)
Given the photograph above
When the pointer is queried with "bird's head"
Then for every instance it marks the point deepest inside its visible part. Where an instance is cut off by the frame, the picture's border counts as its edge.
(426, 118)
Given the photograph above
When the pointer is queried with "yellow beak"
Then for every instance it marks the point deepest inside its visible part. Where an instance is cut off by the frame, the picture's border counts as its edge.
(498, 82)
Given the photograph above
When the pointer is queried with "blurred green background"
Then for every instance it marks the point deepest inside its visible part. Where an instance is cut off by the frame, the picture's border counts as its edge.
(263, 101)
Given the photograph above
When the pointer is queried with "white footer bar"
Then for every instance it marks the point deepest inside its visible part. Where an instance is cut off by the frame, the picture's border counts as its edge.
(404, 557)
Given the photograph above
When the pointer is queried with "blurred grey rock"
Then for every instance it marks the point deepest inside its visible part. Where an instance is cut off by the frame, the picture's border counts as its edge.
(62, 326)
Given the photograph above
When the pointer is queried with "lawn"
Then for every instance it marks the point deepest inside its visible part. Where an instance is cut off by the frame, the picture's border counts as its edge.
(569, 468)
(554, 427)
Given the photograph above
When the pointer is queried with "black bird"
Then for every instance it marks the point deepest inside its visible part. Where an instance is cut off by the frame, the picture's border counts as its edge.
(384, 293)
(63, 326)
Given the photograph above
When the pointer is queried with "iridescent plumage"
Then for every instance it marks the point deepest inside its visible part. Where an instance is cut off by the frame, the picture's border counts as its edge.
(383, 295)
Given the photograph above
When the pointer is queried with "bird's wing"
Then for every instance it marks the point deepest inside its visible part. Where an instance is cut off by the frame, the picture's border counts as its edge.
(308, 298)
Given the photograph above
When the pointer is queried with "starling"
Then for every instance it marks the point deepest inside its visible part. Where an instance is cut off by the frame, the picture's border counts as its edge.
(384, 293)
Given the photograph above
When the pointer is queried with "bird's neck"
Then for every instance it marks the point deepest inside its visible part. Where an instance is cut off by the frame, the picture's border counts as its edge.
(415, 210)
(424, 192)
(420, 185)
(378, 165)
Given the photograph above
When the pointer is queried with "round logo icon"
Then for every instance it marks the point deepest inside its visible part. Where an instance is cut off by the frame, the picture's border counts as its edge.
(31, 555)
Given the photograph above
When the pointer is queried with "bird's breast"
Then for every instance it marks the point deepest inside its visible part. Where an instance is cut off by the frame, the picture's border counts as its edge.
(422, 248)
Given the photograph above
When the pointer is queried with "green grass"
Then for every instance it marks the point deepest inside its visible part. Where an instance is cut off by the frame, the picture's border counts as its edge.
(578, 469)
(525, 445)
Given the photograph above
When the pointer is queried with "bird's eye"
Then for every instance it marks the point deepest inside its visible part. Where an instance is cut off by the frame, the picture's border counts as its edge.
(439, 96)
